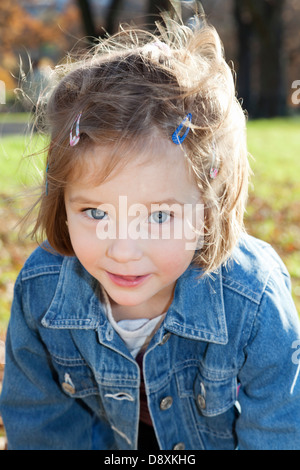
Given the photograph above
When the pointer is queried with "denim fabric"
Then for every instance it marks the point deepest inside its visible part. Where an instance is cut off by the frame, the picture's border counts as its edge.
(220, 373)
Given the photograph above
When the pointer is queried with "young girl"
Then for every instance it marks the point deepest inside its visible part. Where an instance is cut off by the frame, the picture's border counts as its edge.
(149, 319)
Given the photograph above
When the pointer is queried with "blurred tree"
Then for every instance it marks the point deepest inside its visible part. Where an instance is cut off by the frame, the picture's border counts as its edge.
(153, 9)
(21, 31)
(263, 19)
(90, 26)
(245, 60)
(113, 11)
(268, 20)
(87, 18)
(25, 38)
(91, 29)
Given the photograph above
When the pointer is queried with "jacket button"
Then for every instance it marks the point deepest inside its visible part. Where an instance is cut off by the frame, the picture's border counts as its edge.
(201, 402)
(179, 446)
(166, 403)
(165, 338)
(68, 388)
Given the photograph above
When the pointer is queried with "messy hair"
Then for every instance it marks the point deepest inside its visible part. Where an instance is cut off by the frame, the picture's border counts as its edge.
(127, 89)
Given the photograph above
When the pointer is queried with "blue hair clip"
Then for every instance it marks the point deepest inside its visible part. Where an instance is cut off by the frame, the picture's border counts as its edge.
(177, 139)
(46, 186)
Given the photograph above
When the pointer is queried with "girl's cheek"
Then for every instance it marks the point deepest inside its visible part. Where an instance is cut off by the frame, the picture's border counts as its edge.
(83, 240)
(173, 256)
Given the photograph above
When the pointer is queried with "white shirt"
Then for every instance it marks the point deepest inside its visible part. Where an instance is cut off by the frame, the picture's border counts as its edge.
(136, 333)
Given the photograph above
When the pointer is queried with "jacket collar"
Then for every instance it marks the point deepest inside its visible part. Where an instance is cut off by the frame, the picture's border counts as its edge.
(197, 311)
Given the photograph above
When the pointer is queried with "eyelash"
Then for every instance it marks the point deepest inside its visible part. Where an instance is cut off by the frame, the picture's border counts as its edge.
(169, 214)
(85, 211)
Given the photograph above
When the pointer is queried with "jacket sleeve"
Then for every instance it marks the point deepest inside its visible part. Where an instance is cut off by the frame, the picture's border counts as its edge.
(269, 395)
(36, 413)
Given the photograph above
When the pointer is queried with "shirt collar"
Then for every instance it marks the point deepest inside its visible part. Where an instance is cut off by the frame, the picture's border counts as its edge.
(197, 311)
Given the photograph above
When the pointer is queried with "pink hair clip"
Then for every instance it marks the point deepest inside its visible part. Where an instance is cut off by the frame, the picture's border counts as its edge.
(213, 173)
(75, 139)
(213, 170)
(163, 47)
(156, 48)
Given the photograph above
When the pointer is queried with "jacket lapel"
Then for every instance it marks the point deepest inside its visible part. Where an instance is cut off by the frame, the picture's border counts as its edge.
(197, 311)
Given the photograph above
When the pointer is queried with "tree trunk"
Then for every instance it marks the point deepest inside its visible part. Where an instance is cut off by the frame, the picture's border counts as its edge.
(87, 18)
(263, 18)
(153, 9)
(114, 8)
(245, 57)
(89, 22)
(268, 21)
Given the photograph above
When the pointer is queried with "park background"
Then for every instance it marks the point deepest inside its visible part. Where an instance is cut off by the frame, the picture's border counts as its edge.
(261, 38)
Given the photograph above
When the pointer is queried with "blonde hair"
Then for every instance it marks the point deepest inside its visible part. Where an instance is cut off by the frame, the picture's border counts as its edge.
(132, 84)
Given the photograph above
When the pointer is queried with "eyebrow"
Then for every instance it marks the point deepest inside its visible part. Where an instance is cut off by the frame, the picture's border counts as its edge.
(83, 201)
(169, 201)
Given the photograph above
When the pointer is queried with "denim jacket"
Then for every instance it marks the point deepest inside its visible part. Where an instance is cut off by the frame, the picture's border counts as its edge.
(220, 373)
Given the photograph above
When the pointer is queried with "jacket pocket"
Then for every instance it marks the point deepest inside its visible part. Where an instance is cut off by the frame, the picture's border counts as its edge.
(75, 377)
(215, 394)
(209, 397)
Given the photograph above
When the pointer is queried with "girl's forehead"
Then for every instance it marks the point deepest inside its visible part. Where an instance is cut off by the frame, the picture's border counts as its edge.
(157, 166)
(99, 163)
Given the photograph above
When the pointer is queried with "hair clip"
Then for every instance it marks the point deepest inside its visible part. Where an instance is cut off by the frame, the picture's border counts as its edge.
(75, 139)
(213, 173)
(177, 139)
(156, 48)
(163, 47)
(213, 170)
(46, 185)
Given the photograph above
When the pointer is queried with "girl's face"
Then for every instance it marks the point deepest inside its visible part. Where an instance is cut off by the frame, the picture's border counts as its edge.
(133, 232)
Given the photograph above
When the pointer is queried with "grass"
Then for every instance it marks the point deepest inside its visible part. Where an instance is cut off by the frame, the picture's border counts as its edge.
(273, 212)
(17, 172)
(275, 145)
(14, 117)
(16, 175)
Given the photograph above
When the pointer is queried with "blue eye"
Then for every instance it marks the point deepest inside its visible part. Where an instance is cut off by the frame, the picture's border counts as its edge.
(95, 214)
(159, 217)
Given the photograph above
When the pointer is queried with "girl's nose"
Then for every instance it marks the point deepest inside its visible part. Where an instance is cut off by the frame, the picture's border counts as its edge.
(124, 250)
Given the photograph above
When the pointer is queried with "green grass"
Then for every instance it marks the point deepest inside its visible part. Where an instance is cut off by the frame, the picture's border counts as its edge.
(17, 172)
(14, 117)
(17, 167)
(275, 146)
(273, 211)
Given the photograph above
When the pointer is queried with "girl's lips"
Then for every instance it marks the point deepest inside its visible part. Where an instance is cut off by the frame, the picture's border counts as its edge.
(127, 281)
